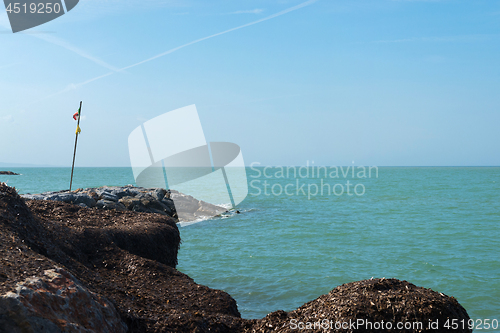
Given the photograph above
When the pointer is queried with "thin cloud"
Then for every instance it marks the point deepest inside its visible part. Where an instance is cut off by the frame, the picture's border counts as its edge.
(60, 42)
(283, 12)
(286, 11)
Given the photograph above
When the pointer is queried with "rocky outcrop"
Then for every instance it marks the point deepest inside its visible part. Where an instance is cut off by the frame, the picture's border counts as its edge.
(376, 305)
(57, 302)
(122, 256)
(9, 173)
(181, 207)
(74, 269)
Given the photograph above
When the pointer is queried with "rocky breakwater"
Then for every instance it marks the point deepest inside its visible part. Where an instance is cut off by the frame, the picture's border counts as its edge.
(67, 268)
(181, 207)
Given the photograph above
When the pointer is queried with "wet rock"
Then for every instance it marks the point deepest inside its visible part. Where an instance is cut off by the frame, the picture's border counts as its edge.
(57, 302)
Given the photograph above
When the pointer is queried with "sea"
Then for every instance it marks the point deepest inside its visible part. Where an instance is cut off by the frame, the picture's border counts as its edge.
(302, 231)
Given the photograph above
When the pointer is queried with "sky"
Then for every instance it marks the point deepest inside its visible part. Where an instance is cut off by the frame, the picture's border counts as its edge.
(334, 82)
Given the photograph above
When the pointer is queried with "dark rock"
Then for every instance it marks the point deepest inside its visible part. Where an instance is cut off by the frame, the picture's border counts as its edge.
(121, 192)
(85, 199)
(130, 203)
(9, 173)
(169, 203)
(109, 196)
(158, 193)
(107, 204)
(64, 197)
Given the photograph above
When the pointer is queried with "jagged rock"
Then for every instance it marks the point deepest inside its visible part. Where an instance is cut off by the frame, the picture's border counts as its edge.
(121, 192)
(130, 203)
(57, 302)
(169, 203)
(109, 196)
(107, 204)
(158, 193)
(85, 199)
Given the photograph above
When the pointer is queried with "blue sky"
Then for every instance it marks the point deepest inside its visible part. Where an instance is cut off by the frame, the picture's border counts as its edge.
(377, 82)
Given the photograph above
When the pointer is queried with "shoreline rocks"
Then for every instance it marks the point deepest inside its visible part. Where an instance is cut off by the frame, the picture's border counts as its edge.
(10, 173)
(181, 207)
(90, 266)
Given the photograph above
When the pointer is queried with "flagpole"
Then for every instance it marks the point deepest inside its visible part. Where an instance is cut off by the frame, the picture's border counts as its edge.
(76, 140)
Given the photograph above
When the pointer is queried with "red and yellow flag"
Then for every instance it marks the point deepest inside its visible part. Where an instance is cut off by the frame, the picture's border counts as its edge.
(76, 116)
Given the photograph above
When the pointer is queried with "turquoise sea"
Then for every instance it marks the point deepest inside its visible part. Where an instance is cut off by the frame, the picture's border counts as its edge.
(437, 227)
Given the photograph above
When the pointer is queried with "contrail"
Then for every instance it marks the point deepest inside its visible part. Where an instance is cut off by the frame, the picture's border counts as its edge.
(291, 9)
(283, 12)
(66, 45)
(72, 48)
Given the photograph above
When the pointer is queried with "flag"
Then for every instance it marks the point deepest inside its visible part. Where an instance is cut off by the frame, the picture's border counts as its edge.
(77, 114)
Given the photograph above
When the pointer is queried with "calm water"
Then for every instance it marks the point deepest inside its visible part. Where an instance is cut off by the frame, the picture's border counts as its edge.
(436, 227)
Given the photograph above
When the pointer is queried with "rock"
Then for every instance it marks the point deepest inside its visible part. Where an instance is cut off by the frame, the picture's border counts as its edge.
(109, 196)
(158, 193)
(33, 196)
(169, 203)
(9, 173)
(371, 301)
(57, 302)
(138, 199)
(64, 197)
(84, 199)
(131, 203)
(107, 204)
(121, 192)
